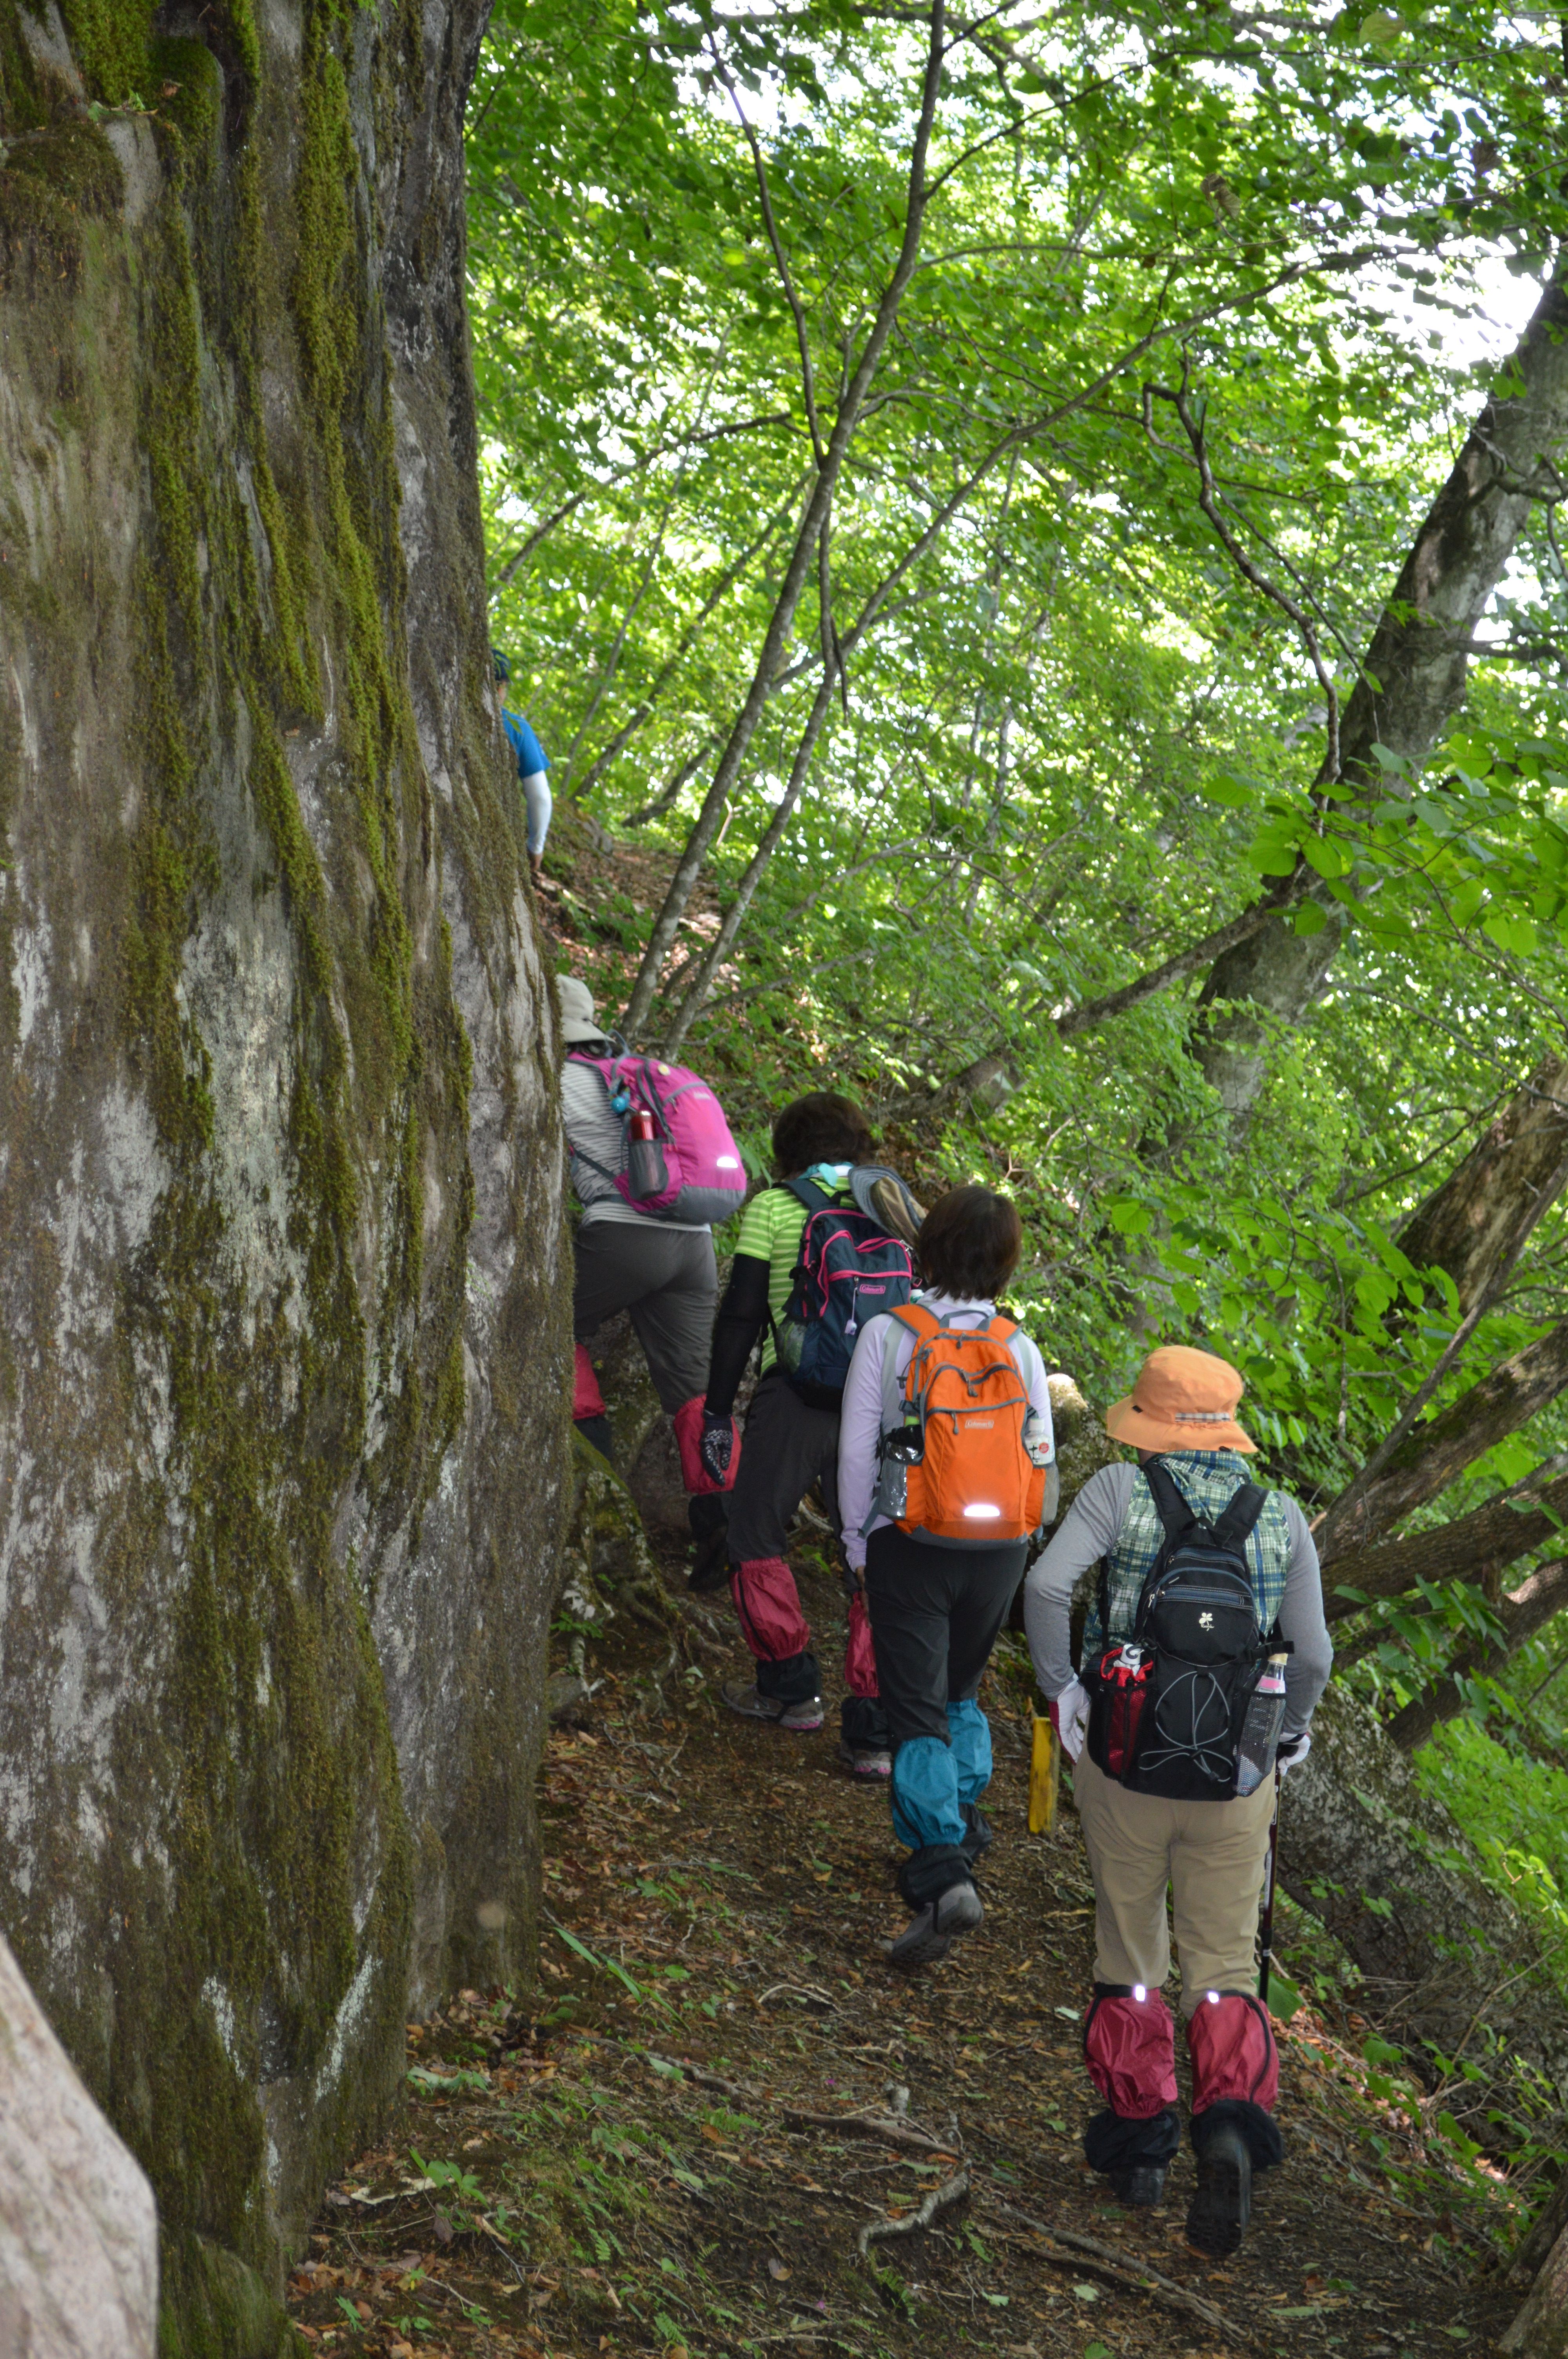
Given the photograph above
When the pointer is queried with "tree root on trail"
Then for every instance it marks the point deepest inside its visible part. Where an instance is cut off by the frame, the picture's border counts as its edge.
(881, 2126)
(1086, 2255)
(1064, 2248)
(939, 2200)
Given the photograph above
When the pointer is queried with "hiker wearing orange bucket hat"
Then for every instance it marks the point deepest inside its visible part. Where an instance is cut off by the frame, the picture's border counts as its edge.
(1204, 1653)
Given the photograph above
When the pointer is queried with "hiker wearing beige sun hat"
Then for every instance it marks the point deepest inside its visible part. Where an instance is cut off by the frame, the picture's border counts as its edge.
(1183, 1400)
(1204, 1652)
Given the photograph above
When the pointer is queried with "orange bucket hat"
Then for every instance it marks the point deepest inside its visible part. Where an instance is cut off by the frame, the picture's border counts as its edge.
(1183, 1400)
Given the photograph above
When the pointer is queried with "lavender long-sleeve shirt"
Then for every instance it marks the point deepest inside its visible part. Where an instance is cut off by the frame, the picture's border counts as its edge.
(862, 1426)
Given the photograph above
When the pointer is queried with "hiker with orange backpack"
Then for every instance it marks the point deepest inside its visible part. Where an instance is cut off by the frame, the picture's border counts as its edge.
(819, 1253)
(1203, 1656)
(946, 1471)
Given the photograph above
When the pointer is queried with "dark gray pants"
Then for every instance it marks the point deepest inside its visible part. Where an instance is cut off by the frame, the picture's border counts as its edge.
(668, 1280)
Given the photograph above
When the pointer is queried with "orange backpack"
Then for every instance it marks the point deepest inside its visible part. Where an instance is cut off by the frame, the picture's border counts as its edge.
(960, 1456)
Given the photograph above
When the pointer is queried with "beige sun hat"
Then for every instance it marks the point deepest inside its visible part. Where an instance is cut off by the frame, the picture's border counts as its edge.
(578, 1021)
(1183, 1400)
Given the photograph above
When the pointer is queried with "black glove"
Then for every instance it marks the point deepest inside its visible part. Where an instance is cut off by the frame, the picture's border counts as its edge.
(716, 1447)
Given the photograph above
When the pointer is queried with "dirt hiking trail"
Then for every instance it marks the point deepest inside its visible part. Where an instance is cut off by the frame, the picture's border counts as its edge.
(672, 2143)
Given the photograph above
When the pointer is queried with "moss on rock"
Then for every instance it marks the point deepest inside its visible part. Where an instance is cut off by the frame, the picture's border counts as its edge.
(280, 1468)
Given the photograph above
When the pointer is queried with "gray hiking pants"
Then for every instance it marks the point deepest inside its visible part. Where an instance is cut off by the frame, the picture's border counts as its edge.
(668, 1281)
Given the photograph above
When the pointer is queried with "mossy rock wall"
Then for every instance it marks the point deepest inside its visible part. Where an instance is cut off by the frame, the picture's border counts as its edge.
(282, 1322)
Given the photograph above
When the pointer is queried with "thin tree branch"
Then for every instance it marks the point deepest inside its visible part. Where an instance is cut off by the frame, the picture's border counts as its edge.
(781, 260)
(1208, 502)
(708, 819)
(721, 590)
(510, 566)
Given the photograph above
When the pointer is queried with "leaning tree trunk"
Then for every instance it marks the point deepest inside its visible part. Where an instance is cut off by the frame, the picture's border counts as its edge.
(282, 1420)
(1392, 1876)
(1413, 679)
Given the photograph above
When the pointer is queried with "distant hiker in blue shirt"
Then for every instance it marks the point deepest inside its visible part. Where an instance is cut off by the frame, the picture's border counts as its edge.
(533, 768)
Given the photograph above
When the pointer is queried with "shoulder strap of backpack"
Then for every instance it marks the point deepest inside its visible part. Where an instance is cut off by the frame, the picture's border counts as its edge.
(1175, 1512)
(892, 1396)
(924, 1325)
(807, 1193)
(1247, 1505)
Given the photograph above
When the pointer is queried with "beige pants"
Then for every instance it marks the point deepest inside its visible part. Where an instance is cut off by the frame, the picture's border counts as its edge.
(1212, 1856)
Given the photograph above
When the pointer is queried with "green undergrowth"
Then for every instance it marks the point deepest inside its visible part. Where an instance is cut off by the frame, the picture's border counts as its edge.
(1472, 2140)
(1514, 1811)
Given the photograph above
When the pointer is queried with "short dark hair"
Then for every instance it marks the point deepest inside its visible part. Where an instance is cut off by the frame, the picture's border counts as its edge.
(969, 1243)
(821, 1127)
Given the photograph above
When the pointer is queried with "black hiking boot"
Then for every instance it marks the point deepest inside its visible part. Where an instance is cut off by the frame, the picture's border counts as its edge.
(977, 1836)
(1218, 2213)
(928, 1936)
(711, 1565)
(1140, 2188)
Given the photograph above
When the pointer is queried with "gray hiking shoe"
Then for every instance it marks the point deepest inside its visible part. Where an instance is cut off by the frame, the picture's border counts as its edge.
(800, 1719)
(866, 1761)
(928, 1937)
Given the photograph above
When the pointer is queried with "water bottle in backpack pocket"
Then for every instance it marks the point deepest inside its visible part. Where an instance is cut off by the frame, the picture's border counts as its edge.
(901, 1449)
(1265, 1717)
(1119, 1693)
(647, 1174)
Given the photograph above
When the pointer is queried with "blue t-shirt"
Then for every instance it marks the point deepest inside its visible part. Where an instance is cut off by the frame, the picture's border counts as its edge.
(531, 754)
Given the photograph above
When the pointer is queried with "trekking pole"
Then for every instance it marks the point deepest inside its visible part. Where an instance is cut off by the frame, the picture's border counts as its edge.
(1265, 1958)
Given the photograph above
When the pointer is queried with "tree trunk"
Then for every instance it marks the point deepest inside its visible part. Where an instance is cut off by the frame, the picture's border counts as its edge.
(1473, 1226)
(1540, 2329)
(1418, 661)
(1435, 1453)
(78, 2232)
(1467, 1549)
(1523, 1611)
(283, 1345)
(1392, 1876)
(812, 522)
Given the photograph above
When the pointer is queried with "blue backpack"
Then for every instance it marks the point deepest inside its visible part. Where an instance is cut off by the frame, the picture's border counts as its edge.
(849, 1270)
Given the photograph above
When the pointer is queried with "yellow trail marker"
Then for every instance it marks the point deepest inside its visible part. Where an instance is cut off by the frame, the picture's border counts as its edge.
(1044, 1769)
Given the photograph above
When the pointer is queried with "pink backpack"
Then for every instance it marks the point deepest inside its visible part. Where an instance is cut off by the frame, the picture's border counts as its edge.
(690, 1169)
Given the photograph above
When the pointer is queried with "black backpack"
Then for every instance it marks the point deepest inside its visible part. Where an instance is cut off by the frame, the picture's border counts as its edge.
(1167, 1705)
(848, 1270)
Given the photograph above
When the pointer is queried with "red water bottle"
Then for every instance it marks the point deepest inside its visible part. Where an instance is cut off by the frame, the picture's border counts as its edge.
(646, 1173)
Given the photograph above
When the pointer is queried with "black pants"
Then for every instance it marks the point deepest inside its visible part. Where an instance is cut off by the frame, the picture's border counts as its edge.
(936, 1615)
(788, 1446)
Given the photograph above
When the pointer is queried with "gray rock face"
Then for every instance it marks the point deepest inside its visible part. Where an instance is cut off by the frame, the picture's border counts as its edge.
(78, 2234)
(283, 1337)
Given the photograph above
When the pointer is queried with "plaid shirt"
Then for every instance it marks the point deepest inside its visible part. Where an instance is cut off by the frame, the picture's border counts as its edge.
(1209, 1480)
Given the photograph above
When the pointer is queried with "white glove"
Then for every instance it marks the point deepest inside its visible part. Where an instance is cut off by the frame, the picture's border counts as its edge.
(1292, 1753)
(1070, 1718)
